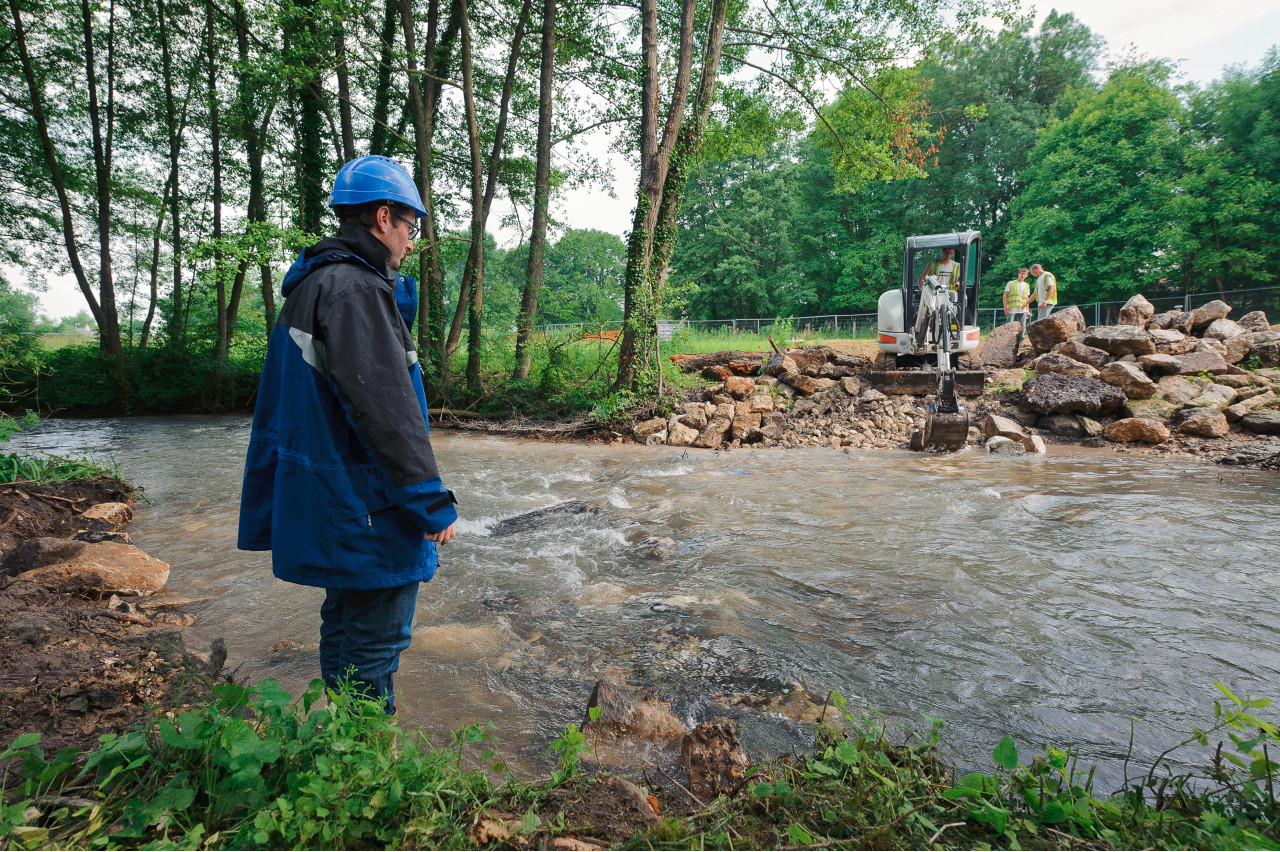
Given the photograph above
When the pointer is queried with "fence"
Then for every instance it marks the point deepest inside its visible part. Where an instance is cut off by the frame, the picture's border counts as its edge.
(1266, 299)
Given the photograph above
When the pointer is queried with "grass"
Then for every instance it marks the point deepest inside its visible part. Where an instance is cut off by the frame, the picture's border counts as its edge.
(48, 470)
(253, 768)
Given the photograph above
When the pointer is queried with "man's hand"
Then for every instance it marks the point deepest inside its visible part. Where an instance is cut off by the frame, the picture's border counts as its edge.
(444, 536)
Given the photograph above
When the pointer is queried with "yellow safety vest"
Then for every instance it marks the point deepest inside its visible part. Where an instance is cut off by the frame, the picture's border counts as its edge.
(935, 269)
(1050, 285)
(1019, 293)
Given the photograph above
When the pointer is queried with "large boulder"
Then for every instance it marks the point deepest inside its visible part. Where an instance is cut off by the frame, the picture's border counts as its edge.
(1159, 364)
(1237, 410)
(778, 364)
(1177, 389)
(632, 716)
(1202, 361)
(1265, 347)
(744, 420)
(1056, 328)
(1120, 340)
(1055, 362)
(1153, 408)
(993, 424)
(1083, 353)
(680, 435)
(1214, 396)
(1000, 349)
(1202, 316)
(1003, 446)
(1055, 394)
(1205, 422)
(811, 360)
(713, 436)
(806, 385)
(1137, 311)
(107, 568)
(108, 516)
(1238, 348)
(643, 430)
(1162, 320)
(1129, 378)
(1255, 321)
(1181, 346)
(1137, 429)
(1262, 422)
(1165, 335)
(1062, 425)
(1223, 329)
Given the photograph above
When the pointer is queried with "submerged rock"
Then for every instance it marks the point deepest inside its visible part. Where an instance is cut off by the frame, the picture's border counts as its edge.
(531, 520)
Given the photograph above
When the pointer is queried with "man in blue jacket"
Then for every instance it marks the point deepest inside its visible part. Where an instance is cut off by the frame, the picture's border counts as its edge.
(340, 483)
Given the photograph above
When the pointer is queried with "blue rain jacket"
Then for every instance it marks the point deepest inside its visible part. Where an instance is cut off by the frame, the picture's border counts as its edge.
(340, 482)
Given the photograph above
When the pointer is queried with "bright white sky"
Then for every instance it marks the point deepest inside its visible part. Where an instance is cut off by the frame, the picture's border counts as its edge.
(1205, 37)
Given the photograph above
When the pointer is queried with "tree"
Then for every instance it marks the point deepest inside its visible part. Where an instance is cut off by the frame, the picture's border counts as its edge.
(1098, 208)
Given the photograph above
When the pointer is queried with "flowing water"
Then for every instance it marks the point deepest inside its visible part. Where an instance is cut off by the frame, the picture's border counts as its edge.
(1050, 597)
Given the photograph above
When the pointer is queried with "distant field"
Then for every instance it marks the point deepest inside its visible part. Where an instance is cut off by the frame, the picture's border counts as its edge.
(61, 340)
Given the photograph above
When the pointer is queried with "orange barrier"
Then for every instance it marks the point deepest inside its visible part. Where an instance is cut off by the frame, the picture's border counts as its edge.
(605, 336)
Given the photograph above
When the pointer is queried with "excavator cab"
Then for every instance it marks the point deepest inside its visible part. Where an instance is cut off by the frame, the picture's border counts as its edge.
(927, 323)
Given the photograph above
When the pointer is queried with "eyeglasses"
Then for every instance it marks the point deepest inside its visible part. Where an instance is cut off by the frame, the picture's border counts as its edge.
(412, 225)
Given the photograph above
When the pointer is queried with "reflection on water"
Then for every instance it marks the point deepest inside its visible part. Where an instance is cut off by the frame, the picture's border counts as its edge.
(1052, 598)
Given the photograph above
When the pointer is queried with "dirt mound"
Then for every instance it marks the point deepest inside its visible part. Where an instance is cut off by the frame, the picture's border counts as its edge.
(29, 510)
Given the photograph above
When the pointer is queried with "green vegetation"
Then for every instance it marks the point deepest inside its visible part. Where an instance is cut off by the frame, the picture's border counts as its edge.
(51, 469)
(254, 769)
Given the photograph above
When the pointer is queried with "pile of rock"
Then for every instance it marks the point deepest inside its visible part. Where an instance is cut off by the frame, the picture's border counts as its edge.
(1147, 378)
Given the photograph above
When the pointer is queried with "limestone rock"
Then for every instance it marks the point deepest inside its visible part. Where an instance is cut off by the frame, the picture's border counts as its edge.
(1162, 335)
(714, 761)
(1005, 446)
(806, 385)
(1062, 425)
(1223, 329)
(1035, 445)
(744, 421)
(1121, 340)
(1162, 320)
(1206, 422)
(1092, 428)
(1159, 364)
(1137, 429)
(696, 419)
(724, 411)
(1083, 353)
(1203, 361)
(1211, 344)
(1238, 410)
(1238, 348)
(1266, 350)
(657, 439)
(761, 403)
(108, 568)
(739, 387)
(116, 516)
(1202, 316)
(39, 552)
(1181, 346)
(1262, 422)
(1008, 378)
(680, 435)
(713, 436)
(1214, 396)
(643, 430)
(779, 364)
(1152, 408)
(1056, 328)
(1063, 365)
(1137, 311)
(852, 385)
(765, 382)
(994, 424)
(1129, 378)
(1055, 394)
(871, 395)
(1021, 415)
(1182, 322)
(1000, 347)
(1255, 321)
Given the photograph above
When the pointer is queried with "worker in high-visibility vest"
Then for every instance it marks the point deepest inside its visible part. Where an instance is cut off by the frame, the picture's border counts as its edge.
(1017, 294)
(944, 269)
(1046, 290)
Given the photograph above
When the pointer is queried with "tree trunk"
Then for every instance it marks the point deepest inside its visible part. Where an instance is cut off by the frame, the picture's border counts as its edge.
(253, 126)
(344, 93)
(175, 326)
(541, 196)
(475, 311)
(215, 154)
(655, 158)
(378, 136)
(145, 338)
(475, 255)
(109, 323)
(51, 160)
(311, 165)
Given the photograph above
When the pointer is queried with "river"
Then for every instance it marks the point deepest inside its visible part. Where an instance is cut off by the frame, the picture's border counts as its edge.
(1052, 597)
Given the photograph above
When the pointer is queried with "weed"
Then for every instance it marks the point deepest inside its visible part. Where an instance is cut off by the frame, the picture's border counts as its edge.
(49, 469)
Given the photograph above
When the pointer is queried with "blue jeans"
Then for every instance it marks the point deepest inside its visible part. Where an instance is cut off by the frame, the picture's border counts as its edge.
(362, 632)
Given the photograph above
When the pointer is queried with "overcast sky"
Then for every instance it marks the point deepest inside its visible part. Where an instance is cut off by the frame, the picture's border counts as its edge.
(1204, 37)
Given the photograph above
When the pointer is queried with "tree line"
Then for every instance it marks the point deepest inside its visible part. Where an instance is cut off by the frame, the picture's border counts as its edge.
(173, 155)
(1115, 177)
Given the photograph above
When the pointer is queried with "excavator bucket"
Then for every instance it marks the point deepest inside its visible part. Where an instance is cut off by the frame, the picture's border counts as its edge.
(947, 430)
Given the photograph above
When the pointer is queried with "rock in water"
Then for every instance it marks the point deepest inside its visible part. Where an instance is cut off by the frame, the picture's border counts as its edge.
(627, 715)
(1003, 446)
(713, 759)
(1137, 429)
(530, 520)
(643, 430)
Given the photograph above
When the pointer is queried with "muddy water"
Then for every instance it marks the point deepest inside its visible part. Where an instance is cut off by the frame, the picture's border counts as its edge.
(1052, 598)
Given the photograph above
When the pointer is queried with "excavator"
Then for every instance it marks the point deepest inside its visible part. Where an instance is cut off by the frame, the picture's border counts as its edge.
(941, 274)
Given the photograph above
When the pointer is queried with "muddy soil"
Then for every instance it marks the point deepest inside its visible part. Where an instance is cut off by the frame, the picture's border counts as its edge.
(73, 668)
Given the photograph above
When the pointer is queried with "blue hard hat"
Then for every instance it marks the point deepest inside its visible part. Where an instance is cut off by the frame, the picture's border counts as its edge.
(375, 178)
